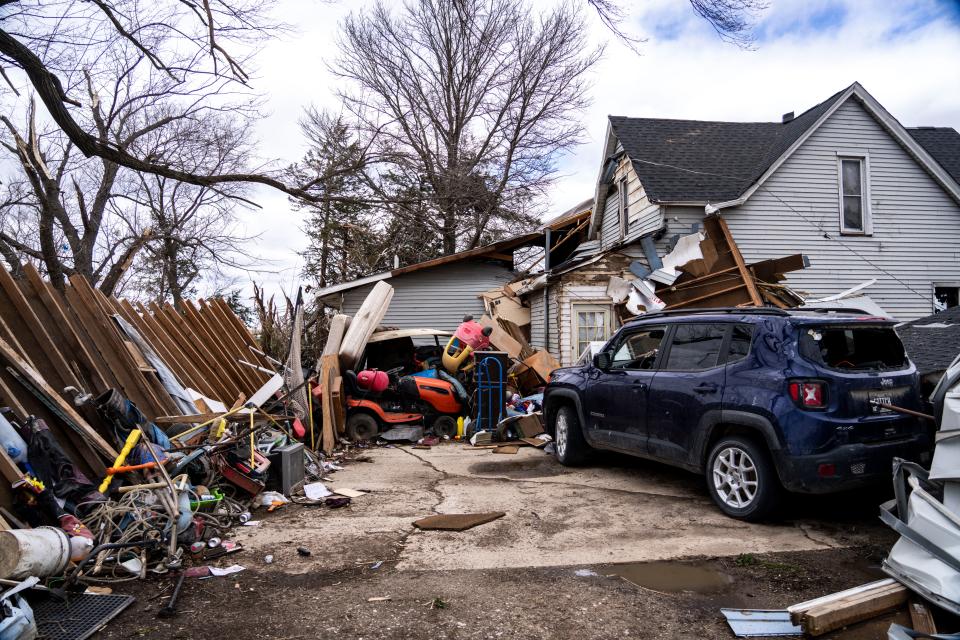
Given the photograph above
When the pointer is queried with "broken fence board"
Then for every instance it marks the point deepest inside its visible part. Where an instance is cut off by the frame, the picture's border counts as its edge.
(843, 612)
(456, 521)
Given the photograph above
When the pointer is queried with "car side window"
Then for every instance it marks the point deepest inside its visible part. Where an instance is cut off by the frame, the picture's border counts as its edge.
(695, 347)
(639, 349)
(740, 341)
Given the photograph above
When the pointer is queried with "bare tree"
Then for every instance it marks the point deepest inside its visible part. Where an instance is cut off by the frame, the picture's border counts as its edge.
(81, 214)
(732, 19)
(473, 100)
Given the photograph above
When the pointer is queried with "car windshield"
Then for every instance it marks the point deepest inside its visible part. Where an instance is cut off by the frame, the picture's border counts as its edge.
(860, 348)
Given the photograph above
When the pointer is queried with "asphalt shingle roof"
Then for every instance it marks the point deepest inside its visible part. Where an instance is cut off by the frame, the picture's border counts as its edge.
(694, 160)
(932, 342)
(943, 143)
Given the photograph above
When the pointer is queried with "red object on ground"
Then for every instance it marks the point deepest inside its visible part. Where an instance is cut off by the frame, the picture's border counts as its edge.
(373, 380)
(298, 429)
(470, 333)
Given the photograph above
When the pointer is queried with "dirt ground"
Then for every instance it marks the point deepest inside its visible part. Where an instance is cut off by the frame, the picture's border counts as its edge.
(548, 569)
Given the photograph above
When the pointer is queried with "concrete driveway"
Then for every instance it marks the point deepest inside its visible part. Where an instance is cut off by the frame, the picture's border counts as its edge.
(551, 568)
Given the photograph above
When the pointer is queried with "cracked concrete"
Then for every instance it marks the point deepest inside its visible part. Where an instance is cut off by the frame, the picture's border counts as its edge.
(621, 510)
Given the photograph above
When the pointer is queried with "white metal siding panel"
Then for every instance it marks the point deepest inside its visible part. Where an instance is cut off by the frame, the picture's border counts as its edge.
(535, 301)
(610, 224)
(916, 225)
(436, 298)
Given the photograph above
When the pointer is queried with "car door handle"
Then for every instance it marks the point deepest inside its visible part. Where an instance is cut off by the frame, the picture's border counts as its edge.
(706, 387)
(640, 384)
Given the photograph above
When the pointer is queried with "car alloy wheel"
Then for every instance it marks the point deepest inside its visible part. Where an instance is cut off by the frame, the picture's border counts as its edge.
(562, 434)
(735, 477)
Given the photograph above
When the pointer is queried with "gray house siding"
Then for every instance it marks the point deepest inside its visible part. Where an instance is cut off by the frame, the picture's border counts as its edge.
(916, 224)
(610, 224)
(435, 298)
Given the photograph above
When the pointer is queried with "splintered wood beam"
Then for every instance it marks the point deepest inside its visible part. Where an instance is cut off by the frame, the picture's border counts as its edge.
(741, 264)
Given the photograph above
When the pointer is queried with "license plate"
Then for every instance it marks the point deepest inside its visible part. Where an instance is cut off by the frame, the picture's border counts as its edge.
(876, 402)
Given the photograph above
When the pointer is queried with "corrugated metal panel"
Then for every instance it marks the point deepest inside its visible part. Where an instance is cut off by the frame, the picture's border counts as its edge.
(436, 298)
(916, 225)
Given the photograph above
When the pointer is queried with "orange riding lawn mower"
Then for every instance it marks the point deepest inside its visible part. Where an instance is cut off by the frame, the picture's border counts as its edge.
(399, 383)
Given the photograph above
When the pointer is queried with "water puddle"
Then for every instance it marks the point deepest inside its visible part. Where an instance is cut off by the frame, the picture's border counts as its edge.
(672, 577)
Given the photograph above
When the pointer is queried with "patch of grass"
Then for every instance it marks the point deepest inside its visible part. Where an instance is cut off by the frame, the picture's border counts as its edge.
(750, 560)
(438, 603)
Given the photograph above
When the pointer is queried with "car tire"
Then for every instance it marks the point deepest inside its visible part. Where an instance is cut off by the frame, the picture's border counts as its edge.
(569, 445)
(741, 479)
(445, 426)
(362, 426)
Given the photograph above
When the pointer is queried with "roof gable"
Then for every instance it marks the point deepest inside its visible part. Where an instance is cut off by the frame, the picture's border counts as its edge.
(694, 162)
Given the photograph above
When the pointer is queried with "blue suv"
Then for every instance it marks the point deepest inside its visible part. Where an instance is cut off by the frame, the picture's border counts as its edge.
(758, 400)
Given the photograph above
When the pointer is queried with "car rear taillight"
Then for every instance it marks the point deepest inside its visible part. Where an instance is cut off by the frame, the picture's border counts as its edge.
(809, 394)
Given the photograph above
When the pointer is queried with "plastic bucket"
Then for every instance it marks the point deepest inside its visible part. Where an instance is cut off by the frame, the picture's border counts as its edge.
(41, 552)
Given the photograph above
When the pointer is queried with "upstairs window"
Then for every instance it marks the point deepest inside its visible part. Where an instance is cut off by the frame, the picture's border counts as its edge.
(854, 199)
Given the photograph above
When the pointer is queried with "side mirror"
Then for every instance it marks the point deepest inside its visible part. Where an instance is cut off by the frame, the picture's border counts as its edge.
(602, 360)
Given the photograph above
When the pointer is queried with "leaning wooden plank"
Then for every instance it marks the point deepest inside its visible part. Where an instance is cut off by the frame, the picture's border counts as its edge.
(741, 264)
(338, 327)
(329, 369)
(8, 468)
(77, 348)
(852, 609)
(194, 376)
(242, 330)
(232, 342)
(364, 323)
(216, 345)
(110, 346)
(126, 311)
(99, 444)
(207, 352)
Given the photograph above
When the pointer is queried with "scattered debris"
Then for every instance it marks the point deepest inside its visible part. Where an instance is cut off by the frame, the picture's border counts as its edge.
(456, 521)
(758, 623)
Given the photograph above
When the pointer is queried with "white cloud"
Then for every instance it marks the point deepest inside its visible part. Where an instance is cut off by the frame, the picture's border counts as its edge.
(684, 71)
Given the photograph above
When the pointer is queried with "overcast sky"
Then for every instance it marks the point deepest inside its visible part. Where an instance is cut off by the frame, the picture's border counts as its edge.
(904, 52)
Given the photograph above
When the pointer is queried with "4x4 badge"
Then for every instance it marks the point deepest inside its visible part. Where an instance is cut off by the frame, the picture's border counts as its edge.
(886, 382)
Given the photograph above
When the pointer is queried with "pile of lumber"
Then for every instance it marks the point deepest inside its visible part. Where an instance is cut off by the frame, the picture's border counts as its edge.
(53, 340)
(865, 602)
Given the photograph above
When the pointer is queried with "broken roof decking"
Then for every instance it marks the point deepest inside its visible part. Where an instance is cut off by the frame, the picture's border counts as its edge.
(694, 162)
(932, 342)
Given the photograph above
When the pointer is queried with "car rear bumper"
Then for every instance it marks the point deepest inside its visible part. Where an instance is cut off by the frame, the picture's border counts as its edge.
(854, 465)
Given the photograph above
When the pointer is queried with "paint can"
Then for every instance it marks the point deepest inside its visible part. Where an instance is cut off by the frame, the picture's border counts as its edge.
(42, 552)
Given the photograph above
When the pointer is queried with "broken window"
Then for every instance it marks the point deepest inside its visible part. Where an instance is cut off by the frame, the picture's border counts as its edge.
(853, 348)
(945, 297)
(695, 347)
(639, 349)
(854, 200)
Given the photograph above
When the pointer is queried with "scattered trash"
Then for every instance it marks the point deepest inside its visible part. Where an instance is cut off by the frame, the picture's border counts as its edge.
(457, 521)
(217, 571)
(506, 449)
(303, 551)
(755, 623)
(585, 573)
(379, 599)
(336, 503)
(377, 565)
(349, 493)
(316, 491)
(268, 559)
(400, 434)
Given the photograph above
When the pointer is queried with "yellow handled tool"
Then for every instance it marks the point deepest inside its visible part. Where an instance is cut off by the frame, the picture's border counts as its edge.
(128, 446)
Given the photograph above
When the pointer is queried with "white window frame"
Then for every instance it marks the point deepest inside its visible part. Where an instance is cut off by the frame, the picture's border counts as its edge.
(577, 307)
(624, 206)
(941, 285)
(865, 209)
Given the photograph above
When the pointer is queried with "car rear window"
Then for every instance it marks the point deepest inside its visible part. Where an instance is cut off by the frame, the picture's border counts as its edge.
(860, 348)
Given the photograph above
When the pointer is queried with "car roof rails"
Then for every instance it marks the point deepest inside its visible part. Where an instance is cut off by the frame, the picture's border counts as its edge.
(851, 310)
(766, 311)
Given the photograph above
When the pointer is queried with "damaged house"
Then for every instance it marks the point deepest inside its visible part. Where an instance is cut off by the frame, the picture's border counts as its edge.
(844, 184)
